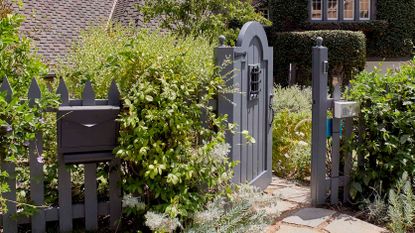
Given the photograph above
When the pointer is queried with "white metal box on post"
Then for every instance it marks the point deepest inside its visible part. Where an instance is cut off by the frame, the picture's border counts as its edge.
(345, 109)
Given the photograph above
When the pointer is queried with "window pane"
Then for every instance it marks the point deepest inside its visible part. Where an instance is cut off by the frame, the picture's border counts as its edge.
(364, 9)
(349, 9)
(332, 9)
(316, 12)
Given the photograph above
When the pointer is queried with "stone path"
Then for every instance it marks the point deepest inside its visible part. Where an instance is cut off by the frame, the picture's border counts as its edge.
(297, 216)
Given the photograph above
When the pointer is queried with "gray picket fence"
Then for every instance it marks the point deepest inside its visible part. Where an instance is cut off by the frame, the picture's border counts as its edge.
(66, 212)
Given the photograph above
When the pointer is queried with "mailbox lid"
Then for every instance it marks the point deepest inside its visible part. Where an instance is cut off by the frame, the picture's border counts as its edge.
(87, 128)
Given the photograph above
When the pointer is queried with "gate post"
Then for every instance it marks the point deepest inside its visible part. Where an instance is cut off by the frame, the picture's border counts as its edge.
(319, 116)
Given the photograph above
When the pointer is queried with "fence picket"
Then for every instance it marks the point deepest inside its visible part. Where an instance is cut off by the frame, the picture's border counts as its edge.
(63, 91)
(36, 169)
(115, 192)
(88, 95)
(91, 202)
(9, 223)
(113, 94)
(5, 86)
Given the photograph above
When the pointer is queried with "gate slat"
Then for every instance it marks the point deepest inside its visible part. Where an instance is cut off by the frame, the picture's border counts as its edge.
(335, 152)
(262, 121)
(348, 160)
(91, 202)
(244, 124)
(36, 169)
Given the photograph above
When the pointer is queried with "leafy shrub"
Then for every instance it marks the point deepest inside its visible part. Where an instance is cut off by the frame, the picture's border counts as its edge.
(391, 34)
(347, 53)
(291, 148)
(173, 161)
(384, 137)
(208, 18)
(88, 57)
(162, 135)
(18, 121)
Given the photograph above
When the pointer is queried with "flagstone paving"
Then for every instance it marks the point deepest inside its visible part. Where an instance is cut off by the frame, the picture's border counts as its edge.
(297, 215)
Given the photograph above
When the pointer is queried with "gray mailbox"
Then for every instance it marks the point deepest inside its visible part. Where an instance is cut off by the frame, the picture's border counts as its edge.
(87, 133)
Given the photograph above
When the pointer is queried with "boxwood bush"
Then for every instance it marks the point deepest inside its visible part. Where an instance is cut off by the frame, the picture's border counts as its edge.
(347, 53)
(385, 136)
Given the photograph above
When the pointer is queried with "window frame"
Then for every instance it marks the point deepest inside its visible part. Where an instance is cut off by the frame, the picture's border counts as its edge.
(312, 9)
(337, 10)
(369, 2)
(353, 11)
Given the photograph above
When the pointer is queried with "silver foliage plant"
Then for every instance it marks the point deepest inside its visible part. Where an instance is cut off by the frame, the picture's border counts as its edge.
(248, 209)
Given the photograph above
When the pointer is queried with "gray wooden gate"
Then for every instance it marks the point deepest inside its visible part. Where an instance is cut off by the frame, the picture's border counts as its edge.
(248, 71)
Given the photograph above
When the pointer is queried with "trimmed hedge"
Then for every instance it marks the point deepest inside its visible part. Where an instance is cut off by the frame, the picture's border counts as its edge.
(391, 35)
(347, 53)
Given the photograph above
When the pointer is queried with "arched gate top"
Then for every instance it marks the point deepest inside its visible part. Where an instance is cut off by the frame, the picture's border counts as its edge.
(248, 32)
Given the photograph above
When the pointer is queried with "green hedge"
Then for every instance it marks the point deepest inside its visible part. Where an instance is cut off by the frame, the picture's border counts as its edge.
(347, 52)
(390, 35)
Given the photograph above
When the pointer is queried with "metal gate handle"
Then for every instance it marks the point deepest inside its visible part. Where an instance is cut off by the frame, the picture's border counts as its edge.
(271, 97)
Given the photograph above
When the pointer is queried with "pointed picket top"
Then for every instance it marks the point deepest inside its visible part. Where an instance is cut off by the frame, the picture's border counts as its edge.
(113, 94)
(88, 95)
(34, 92)
(63, 92)
(5, 86)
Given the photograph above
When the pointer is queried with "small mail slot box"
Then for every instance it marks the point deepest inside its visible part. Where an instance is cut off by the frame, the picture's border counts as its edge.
(87, 133)
(344, 109)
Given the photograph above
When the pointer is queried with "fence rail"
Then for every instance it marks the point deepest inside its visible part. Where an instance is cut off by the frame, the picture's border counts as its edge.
(91, 209)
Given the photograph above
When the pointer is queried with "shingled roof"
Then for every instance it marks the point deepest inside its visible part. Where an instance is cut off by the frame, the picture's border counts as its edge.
(55, 24)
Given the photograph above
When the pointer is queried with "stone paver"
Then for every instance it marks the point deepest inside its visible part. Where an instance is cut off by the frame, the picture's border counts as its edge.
(283, 206)
(295, 229)
(290, 191)
(295, 194)
(311, 217)
(310, 220)
(346, 224)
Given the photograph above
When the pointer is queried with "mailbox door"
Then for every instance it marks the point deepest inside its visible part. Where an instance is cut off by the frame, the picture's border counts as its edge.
(89, 130)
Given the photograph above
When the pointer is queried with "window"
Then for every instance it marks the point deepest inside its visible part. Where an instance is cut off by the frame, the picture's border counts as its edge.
(348, 13)
(316, 10)
(264, 12)
(332, 10)
(364, 9)
(340, 10)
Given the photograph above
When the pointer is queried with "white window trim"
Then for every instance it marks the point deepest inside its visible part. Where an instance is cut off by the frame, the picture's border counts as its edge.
(337, 11)
(353, 11)
(368, 11)
(321, 10)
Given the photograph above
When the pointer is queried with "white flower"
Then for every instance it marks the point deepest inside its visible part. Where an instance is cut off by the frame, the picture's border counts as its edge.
(221, 151)
(129, 201)
(302, 143)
